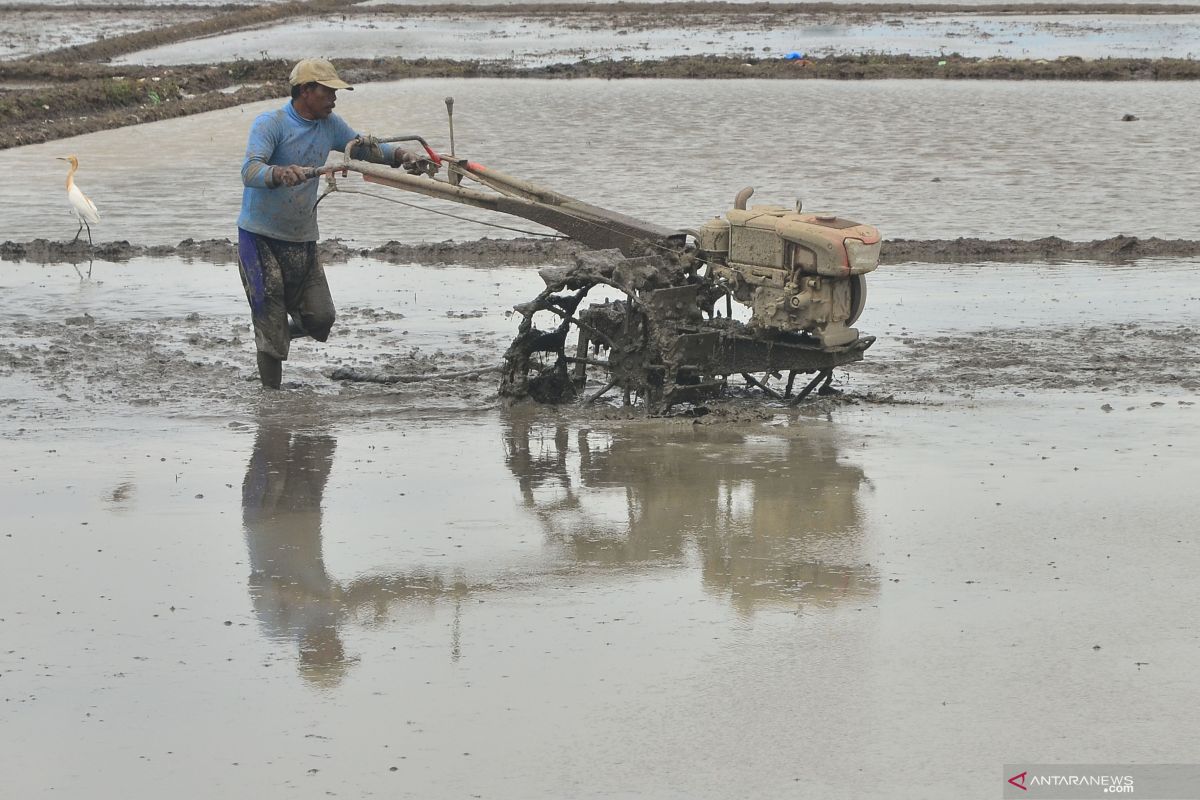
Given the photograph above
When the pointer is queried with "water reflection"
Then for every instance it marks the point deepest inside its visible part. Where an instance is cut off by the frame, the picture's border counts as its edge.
(762, 518)
(769, 518)
(281, 510)
(75, 262)
(293, 594)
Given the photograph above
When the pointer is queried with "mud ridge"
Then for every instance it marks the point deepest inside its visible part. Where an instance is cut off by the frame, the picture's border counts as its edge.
(1052, 248)
(541, 252)
(480, 252)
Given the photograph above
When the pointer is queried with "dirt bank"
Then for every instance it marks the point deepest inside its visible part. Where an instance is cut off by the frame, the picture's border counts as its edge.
(482, 252)
(1051, 248)
(538, 252)
(47, 113)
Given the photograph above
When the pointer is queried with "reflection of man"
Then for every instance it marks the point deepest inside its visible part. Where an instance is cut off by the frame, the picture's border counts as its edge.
(281, 510)
(294, 597)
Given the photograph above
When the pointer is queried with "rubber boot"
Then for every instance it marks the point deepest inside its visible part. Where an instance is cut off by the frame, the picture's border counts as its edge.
(270, 370)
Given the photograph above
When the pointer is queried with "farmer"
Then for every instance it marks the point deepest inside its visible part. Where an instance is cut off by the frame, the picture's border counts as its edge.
(277, 228)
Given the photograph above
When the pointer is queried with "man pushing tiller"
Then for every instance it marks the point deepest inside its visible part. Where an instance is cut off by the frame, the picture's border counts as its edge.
(277, 228)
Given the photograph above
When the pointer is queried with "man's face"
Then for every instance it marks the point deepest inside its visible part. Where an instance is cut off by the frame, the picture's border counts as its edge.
(318, 101)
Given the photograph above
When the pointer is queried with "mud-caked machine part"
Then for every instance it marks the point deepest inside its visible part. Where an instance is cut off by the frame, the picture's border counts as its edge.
(659, 343)
(662, 341)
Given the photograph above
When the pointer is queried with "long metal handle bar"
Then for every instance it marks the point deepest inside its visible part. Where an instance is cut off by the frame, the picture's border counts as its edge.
(594, 226)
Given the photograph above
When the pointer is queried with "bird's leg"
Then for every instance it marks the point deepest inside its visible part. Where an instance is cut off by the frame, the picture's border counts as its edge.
(76, 239)
(89, 227)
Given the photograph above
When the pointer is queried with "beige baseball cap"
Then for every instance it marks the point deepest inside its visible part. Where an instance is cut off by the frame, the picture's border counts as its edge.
(317, 70)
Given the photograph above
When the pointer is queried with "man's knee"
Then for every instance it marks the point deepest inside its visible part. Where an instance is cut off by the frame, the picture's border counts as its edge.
(317, 324)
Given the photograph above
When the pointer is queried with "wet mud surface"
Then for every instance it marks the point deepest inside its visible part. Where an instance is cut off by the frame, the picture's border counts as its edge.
(395, 580)
(946, 334)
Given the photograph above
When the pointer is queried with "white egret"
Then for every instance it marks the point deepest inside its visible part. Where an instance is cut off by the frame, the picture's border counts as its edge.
(84, 208)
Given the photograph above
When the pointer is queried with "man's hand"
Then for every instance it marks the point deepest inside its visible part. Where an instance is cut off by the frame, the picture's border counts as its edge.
(291, 175)
(415, 163)
(405, 158)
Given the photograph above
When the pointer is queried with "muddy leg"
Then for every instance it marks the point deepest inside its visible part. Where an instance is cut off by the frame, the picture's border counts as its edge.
(263, 281)
(312, 304)
(270, 370)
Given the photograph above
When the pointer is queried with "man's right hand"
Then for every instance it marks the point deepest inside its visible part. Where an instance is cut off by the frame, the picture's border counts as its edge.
(291, 175)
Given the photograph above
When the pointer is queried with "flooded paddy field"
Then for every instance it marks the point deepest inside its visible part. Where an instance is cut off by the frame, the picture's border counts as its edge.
(568, 38)
(78, 75)
(411, 591)
(982, 551)
(920, 159)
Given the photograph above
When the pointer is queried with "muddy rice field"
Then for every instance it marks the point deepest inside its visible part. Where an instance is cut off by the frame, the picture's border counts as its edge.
(386, 580)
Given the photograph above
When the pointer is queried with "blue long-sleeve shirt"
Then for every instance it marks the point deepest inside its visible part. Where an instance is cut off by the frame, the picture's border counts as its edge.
(280, 138)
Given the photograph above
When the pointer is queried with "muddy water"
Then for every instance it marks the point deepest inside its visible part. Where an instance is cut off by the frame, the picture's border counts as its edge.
(381, 593)
(536, 42)
(921, 159)
(165, 335)
(162, 335)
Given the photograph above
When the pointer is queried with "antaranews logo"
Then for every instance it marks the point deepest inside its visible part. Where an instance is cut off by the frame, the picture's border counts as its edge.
(1069, 781)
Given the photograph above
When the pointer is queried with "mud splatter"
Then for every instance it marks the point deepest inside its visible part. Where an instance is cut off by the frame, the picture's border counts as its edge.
(1123, 358)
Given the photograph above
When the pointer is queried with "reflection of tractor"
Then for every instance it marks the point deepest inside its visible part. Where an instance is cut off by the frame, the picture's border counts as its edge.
(659, 334)
(771, 519)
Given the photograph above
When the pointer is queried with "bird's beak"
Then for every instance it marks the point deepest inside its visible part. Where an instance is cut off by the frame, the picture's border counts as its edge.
(61, 158)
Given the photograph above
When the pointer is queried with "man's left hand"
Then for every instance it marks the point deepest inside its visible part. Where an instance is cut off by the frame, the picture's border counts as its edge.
(405, 158)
